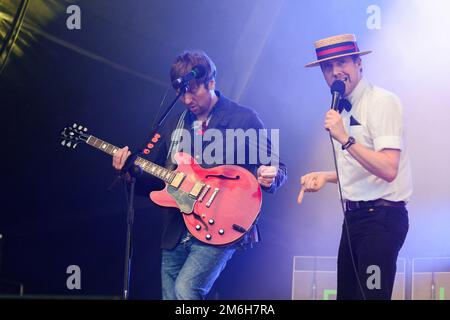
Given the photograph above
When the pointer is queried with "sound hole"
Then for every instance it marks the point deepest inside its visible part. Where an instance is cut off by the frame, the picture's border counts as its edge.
(221, 176)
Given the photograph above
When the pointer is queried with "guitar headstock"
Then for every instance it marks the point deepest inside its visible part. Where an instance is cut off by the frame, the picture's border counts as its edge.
(71, 136)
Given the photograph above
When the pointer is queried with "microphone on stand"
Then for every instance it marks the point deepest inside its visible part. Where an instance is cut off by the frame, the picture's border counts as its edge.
(197, 72)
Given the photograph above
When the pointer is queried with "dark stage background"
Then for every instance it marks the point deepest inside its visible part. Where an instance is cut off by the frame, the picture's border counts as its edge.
(111, 76)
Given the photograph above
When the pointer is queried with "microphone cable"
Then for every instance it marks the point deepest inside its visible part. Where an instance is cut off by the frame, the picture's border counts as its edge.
(345, 219)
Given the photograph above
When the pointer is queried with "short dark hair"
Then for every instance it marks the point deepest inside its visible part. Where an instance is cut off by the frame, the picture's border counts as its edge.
(185, 61)
(355, 57)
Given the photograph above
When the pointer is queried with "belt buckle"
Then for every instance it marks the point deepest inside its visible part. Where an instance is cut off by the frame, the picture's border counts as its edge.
(354, 205)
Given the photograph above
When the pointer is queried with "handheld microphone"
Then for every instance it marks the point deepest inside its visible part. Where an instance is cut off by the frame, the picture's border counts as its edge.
(337, 90)
(197, 72)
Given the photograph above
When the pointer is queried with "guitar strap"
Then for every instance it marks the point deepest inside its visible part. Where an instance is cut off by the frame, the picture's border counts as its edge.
(176, 137)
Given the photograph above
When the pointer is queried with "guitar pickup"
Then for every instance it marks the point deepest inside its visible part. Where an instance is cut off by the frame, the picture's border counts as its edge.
(178, 179)
(196, 189)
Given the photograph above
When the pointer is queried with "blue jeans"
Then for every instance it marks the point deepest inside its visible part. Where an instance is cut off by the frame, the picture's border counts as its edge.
(190, 269)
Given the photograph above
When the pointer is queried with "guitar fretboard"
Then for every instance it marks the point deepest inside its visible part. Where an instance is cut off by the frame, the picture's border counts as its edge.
(147, 166)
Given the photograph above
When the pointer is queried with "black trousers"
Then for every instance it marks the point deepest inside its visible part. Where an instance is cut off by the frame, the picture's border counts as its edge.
(376, 236)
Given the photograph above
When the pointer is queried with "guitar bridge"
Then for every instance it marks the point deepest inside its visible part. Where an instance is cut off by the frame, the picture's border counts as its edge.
(203, 194)
(196, 189)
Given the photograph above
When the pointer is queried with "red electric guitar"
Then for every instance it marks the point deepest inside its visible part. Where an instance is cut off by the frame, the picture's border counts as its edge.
(218, 205)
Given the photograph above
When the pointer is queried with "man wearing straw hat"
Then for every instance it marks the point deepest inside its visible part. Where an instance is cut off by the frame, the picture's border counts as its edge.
(372, 169)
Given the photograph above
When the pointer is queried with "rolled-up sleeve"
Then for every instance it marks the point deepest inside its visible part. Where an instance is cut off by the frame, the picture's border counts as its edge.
(386, 123)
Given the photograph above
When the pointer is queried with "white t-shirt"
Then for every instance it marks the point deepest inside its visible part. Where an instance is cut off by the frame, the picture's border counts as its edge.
(380, 117)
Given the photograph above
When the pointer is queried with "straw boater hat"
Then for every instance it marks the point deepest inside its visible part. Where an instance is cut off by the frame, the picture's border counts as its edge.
(335, 47)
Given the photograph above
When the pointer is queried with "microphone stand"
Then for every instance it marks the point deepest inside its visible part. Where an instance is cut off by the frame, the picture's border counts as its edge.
(155, 129)
(134, 172)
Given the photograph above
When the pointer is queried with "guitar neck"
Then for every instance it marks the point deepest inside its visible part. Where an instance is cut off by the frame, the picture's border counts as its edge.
(147, 166)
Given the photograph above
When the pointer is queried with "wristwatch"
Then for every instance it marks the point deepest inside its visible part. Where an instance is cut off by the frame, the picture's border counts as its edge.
(349, 142)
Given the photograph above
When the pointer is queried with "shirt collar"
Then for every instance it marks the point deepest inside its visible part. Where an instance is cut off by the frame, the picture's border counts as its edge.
(355, 96)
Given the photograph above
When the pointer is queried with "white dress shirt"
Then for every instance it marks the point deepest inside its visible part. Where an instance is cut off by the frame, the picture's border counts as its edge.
(380, 118)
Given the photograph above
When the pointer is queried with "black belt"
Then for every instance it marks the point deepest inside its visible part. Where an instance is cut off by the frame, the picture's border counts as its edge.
(355, 205)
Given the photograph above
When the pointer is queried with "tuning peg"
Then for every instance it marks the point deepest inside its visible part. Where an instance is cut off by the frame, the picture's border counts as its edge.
(75, 145)
(74, 125)
(85, 129)
(80, 127)
(63, 142)
(69, 144)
